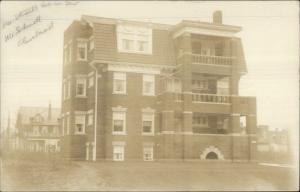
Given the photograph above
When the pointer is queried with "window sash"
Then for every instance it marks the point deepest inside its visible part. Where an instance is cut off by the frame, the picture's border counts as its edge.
(148, 84)
(119, 83)
(119, 122)
(82, 51)
(148, 153)
(118, 153)
(118, 126)
(148, 123)
(80, 124)
(80, 87)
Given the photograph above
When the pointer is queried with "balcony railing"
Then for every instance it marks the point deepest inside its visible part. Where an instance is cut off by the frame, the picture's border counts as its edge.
(211, 98)
(213, 60)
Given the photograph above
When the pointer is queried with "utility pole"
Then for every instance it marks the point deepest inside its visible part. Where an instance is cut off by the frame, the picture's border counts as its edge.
(8, 133)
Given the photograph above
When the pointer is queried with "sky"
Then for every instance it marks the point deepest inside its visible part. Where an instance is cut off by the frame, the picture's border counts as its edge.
(31, 73)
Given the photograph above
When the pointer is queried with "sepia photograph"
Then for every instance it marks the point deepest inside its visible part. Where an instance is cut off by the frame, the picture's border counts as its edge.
(149, 96)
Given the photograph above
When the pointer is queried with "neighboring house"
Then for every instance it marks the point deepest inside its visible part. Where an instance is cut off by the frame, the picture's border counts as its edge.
(147, 91)
(38, 129)
(272, 140)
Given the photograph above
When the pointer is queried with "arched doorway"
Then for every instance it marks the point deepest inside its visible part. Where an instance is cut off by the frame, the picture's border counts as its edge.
(211, 155)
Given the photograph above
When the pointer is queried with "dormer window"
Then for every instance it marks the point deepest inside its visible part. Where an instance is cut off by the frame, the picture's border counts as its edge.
(133, 39)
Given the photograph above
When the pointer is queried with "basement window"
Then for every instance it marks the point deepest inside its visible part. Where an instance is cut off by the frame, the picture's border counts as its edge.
(118, 153)
(148, 153)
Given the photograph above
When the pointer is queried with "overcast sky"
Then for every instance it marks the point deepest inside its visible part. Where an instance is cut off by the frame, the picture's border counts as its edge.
(31, 74)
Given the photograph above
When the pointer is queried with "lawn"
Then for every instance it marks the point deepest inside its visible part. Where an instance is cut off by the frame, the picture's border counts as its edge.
(172, 176)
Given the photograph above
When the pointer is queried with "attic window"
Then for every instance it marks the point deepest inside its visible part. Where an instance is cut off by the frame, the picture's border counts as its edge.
(133, 39)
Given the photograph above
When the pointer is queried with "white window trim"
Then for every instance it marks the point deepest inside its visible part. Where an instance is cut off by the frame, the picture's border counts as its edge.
(83, 41)
(121, 30)
(151, 147)
(84, 122)
(149, 78)
(148, 111)
(120, 145)
(124, 78)
(123, 111)
(81, 78)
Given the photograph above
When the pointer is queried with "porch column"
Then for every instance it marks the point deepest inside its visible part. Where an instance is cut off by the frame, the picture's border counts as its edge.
(234, 123)
(187, 122)
(87, 156)
(251, 124)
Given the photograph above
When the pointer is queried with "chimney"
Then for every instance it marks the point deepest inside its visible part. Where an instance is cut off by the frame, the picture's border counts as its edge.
(49, 112)
(217, 17)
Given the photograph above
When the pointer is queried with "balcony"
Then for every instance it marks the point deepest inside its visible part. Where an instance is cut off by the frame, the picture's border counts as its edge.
(211, 98)
(212, 60)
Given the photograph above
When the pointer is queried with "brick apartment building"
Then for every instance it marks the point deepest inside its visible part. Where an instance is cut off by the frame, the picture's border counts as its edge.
(145, 91)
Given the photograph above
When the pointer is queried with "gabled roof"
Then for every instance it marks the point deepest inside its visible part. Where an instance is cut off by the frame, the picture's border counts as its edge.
(26, 113)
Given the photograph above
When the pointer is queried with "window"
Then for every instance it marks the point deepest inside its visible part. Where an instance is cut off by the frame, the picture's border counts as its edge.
(148, 123)
(127, 44)
(148, 153)
(148, 84)
(223, 86)
(134, 39)
(119, 83)
(200, 84)
(68, 124)
(91, 81)
(44, 130)
(36, 130)
(200, 120)
(142, 46)
(119, 121)
(80, 87)
(79, 124)
(82, 51)
(70, 54)
(172, 85)
(118, 153)
(65, 55)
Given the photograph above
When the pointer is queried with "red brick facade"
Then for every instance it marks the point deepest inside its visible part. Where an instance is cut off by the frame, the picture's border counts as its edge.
(196, 109)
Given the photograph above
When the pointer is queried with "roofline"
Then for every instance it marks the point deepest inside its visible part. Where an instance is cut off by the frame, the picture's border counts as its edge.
(104, 20)
(206, 25)
(172, 28)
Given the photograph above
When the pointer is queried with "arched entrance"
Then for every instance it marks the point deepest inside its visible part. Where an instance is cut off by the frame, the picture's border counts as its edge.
(211, 153)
